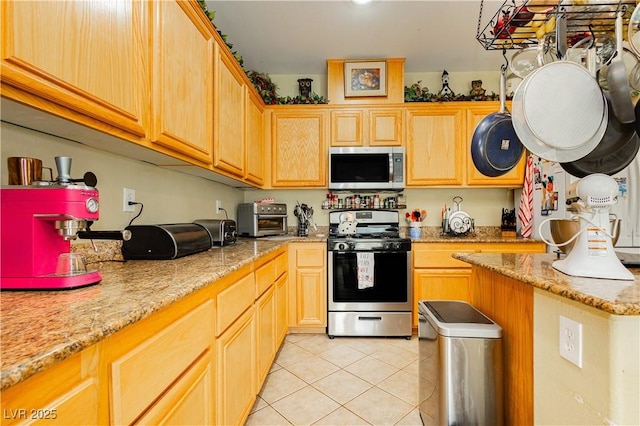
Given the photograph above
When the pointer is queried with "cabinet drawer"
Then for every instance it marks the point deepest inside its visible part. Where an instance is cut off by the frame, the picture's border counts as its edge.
(233, 301)
(310, 257)
(439, 256)
(188, 401)
(265, 277)
(532, 247)
(141, 375)
(281, 264)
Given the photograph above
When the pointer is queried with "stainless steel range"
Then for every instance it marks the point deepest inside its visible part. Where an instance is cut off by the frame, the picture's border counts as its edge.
(369, 276)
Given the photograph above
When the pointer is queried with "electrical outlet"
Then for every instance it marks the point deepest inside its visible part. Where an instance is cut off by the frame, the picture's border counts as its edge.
(128, 195)
(218, 206)
(571, 340)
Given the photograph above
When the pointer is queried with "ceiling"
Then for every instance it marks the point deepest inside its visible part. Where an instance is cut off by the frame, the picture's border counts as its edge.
(297, 37)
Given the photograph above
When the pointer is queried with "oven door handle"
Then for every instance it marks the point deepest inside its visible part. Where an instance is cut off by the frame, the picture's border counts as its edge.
(369, 318)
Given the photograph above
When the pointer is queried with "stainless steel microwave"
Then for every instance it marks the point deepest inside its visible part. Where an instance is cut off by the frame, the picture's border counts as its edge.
(374, 168)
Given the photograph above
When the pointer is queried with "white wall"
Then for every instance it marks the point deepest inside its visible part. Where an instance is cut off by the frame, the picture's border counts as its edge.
(171, 196)
(168, 196)
(483, 204)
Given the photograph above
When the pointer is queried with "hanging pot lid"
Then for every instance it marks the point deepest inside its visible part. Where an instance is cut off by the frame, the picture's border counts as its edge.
(559, 112)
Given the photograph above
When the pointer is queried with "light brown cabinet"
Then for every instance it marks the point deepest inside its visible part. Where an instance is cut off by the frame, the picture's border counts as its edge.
(367, 127)
(437, 275)
(65, 394)
(84, 61)
(435, 146)
(137, 385)
(182, 52)
(509, 303)
(308, 290)
(229, 112)
(514, 177)
(299, 147)
(236, 371)
(254, 136)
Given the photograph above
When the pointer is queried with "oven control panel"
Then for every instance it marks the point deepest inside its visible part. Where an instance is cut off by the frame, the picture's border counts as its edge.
(398, 245)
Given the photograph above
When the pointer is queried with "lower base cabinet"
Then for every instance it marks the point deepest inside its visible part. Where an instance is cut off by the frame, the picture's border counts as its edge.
(188, 402)
(236, 374)
(437, 275)
(308, 302)
(65, 394)
(266, 331)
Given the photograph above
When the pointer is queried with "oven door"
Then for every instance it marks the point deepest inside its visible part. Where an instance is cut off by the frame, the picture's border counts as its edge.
(267, 224)
(391, 290)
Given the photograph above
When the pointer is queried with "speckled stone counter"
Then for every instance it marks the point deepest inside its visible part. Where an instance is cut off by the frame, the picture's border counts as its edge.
(40, 328)
(617, 297)
(482, 234)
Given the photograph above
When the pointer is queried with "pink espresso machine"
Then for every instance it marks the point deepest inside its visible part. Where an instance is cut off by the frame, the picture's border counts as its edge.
(38, 223)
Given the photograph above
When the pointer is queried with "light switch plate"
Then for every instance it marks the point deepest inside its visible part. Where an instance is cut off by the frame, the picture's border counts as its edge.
(571, 340)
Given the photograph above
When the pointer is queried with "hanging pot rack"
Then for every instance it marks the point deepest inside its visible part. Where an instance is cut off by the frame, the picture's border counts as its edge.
(511, 27)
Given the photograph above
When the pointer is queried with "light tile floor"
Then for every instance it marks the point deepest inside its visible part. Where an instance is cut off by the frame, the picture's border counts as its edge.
(345, 381)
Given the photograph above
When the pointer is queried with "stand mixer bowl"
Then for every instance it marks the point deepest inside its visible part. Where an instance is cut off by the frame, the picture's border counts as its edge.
(563, 229)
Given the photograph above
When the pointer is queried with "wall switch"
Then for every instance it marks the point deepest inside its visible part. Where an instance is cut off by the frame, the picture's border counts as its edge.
(571, 340)
(128, 195)
(218, 206)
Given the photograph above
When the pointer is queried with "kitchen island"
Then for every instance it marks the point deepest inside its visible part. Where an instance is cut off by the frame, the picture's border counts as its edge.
(526, 296)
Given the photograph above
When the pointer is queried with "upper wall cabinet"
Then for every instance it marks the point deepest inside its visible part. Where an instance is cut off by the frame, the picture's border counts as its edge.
(435, 145)
(229, 123)
(254, 134)
(78, 58)
(182, 84)
(299, 147)
(514, 177)
(367, 127)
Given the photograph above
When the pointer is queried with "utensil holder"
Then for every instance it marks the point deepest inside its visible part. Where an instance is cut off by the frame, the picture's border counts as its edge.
(415, 229)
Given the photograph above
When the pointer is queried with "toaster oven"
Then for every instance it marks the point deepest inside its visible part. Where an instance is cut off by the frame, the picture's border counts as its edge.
(262, 219)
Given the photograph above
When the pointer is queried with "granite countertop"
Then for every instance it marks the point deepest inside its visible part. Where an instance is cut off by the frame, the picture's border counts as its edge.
(40, 328)
(618, 297)
(482, 234)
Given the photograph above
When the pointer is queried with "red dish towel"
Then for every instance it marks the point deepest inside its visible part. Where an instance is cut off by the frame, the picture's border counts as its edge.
(525, 210)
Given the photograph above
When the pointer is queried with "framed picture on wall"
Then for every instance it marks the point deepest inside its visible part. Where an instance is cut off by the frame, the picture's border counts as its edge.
(365, 78)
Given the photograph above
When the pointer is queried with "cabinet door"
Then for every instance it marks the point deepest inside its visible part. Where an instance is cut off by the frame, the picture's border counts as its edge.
(88, 57)
(385, 127)
(266, 332)
(435, 146)
(440, 284)
(182, 83)
(309, 290)
(347, 128)
(299, 151)
(236, 372)
(514, 177)
(255, 152)
(65, 394)
(141, 375)
(188, 401)
(282, 309)
(229, 110)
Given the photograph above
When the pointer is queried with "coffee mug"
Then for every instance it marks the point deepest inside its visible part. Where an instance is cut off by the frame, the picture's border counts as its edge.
(24, 170)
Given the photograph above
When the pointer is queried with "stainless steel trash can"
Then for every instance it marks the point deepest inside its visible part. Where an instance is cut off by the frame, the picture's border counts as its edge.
(460, 365)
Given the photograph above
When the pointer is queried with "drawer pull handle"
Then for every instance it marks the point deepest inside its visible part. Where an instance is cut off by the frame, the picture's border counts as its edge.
(370, 318)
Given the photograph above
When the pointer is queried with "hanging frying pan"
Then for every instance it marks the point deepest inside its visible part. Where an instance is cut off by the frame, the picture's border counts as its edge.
(495, 147)
(608, 164)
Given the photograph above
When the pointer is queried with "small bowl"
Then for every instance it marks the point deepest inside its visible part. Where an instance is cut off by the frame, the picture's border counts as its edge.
(563, 229)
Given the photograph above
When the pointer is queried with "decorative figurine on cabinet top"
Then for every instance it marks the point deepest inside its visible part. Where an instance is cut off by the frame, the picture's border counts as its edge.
(477, 92)
(446, 90)
(304, 85)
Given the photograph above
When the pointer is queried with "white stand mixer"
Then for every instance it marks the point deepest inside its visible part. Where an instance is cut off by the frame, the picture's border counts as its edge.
(593, 255)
